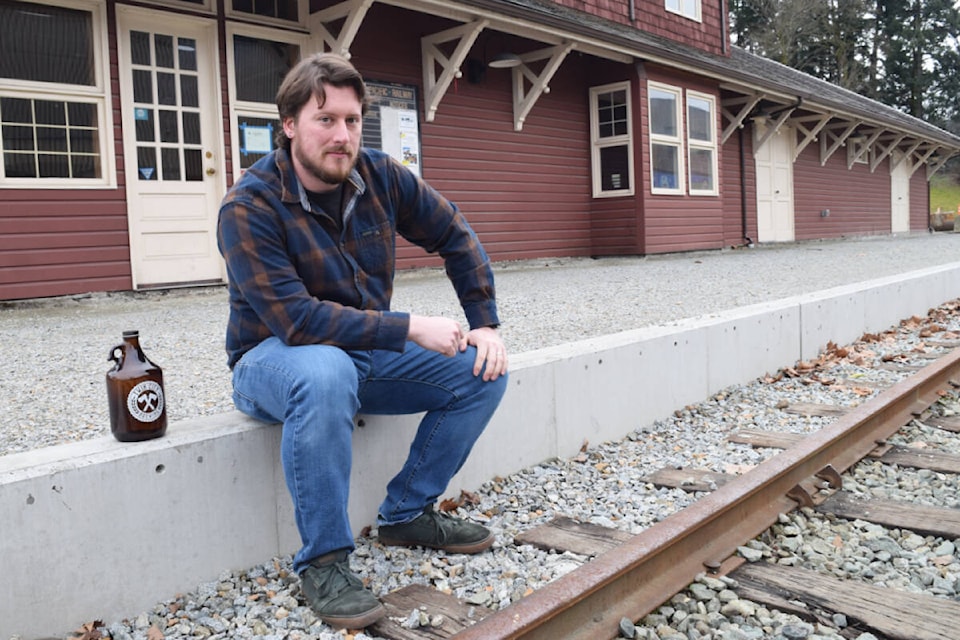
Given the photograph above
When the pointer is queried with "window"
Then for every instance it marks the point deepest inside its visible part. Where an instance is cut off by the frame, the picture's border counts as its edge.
(259, 60)
(53, 104)
(280, 12)
(686, 8)
(611, 140)
(701, 143)
(680, 148)
(665, 141)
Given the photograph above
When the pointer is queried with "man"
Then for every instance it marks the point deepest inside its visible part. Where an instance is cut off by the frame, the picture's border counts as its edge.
(308, 236)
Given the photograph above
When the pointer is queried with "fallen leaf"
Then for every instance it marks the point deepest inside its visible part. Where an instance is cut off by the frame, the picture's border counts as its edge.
(153, 633)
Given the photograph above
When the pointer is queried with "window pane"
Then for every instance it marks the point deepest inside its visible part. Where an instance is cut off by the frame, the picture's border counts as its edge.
(81, 114)
(19, 165)
(52, 139)
(147, 163)
(663, 113)
(666, 166)
(193, 165)
(187, 48)
(53, 166)
(17, 138)
(168, 127)
(46, 44)
(48, 112)
(171, 163)
(144, 123)
(256, 138)
(614, 168)
(701, 170)
(261, 66)
(142, 86)
(16, 110)
(83, 141)
(166, 88)
(164, 50)
(189, 93)
(140, 48)
(191, 128)
(85, 166)
(699, 119)
(283, 9)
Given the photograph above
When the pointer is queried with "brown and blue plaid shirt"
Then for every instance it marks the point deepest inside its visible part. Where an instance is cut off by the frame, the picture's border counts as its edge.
(295, 274)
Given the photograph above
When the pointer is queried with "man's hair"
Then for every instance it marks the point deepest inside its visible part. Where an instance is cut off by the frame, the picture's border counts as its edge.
(306, 80)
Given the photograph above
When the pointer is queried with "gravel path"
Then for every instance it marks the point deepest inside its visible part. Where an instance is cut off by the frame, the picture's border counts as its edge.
(55, 351)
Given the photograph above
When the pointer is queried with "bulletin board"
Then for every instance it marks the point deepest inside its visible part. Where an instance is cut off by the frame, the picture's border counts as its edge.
(392, 123)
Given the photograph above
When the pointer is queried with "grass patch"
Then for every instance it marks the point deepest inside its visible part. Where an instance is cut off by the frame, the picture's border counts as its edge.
(944, 193)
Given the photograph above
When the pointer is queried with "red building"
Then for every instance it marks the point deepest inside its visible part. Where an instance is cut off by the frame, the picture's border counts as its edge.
(613, 127)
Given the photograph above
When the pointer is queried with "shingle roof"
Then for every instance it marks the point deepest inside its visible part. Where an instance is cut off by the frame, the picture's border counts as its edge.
(740, 67)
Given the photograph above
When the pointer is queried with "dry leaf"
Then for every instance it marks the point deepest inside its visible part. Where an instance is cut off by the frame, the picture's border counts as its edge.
(153, 633)
(89, 631)
(449, 504)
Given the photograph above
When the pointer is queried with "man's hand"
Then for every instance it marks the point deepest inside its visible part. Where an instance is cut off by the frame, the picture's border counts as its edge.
(490, 349)
(442, 335)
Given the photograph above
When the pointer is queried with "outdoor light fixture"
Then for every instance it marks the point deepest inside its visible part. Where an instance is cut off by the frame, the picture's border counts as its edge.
(505, 60)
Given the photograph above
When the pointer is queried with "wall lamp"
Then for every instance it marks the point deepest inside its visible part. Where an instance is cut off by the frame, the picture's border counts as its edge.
(505, 60)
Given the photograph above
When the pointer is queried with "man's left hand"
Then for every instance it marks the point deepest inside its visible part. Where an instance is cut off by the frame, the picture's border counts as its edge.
(490, 350)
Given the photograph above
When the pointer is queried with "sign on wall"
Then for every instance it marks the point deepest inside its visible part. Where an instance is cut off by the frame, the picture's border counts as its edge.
(391, 123)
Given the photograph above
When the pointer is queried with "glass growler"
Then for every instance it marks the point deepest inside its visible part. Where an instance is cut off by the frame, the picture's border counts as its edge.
(138, 409)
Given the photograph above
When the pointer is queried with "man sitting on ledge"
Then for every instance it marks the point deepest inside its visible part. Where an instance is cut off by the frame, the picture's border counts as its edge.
(308, 234)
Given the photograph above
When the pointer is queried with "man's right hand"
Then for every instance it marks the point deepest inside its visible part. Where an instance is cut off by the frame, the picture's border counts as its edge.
(442, 335)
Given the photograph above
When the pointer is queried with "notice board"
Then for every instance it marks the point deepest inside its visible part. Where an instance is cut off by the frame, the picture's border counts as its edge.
(392, 123)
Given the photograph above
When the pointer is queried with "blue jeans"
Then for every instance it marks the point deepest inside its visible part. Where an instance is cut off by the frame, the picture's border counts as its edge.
(316, 390)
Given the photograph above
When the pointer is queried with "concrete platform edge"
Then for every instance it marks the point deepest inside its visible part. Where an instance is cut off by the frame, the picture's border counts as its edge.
(103, 530)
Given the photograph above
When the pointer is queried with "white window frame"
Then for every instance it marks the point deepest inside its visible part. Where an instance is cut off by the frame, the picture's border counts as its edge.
(247, 108)
(303, 13)
(207, 6)
(597, 144)
(98, 94)
(676, 141)
(691, 9)
(704, 145)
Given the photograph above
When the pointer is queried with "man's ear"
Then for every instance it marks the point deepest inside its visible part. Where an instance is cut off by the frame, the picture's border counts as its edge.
(288, 127)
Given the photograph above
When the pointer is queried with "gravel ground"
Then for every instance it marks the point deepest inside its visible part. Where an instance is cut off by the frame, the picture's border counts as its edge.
(57, 353)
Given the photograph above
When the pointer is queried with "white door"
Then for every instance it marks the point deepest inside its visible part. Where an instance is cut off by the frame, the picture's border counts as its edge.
(172, 146)
(900, 198)
(774, 161)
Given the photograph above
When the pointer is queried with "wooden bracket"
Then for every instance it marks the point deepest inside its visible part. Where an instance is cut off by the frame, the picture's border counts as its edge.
(434, 86)
(351, 12)
(524, 97)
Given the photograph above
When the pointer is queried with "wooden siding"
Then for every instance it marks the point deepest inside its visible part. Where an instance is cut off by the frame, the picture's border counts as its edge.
(652, 16)
(678, 222)
(858, 200)
(526, 193)
(67, 241)
(734, 192)
(919, 200)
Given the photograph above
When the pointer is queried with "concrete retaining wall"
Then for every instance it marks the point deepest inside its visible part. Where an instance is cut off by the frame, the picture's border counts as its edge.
(103, 530)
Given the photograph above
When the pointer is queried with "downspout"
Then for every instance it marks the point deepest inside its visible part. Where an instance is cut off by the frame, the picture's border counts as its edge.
(633, 11)
(743, 189)
(724, 18)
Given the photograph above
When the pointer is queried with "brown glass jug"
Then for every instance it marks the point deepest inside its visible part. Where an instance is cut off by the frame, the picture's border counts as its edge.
(138, 408)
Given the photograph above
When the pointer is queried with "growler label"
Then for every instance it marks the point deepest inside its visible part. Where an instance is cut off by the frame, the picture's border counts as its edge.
(145, 401)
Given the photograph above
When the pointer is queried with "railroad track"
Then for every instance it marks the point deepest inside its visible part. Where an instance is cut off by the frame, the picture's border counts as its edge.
(630, 576)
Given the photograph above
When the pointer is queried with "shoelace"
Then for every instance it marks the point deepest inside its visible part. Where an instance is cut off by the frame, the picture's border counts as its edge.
(337, 579)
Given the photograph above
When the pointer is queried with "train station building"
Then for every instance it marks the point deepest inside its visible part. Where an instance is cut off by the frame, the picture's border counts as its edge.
(570, 128)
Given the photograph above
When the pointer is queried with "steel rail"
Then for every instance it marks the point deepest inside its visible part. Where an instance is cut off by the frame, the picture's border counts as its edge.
(634, 578)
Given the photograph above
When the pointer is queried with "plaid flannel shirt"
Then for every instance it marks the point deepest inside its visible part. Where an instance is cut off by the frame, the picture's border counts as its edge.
(295, 274)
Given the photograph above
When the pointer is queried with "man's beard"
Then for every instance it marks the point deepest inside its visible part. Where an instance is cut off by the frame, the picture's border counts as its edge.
(317, 170)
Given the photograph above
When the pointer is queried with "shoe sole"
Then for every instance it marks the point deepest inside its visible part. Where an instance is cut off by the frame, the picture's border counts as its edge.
(359, 621)
(472, 547)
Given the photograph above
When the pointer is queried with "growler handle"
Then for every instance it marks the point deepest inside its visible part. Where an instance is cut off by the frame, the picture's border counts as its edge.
(113, 354)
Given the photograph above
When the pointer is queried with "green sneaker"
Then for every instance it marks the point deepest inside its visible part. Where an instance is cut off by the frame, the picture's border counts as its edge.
(437, 531)
(336, 595)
